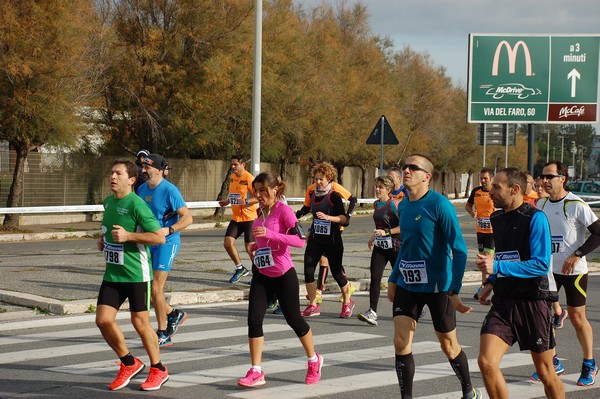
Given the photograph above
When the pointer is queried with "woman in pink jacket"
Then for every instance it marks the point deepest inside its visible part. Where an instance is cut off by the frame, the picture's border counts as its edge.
(275, 230)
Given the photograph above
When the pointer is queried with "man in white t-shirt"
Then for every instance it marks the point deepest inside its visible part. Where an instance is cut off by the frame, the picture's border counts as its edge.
(569, 217)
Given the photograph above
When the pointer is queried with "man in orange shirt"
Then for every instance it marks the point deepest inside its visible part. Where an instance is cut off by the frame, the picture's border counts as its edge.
(243, 205)
(530, 196)
(481, 206)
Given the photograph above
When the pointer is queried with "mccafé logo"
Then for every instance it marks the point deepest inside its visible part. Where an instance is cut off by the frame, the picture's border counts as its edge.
(512, 53)
(574, 110)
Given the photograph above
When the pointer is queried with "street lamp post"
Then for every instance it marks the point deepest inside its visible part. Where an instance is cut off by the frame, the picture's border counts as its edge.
(581, 153)
(573, 151)
(548, 145)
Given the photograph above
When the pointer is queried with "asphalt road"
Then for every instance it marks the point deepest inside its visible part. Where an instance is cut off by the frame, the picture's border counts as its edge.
(71, 269)
(65, 356)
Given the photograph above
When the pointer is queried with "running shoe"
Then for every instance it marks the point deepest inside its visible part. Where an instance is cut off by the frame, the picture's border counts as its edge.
(350, 291)
(252, 379)
(155, 380)
(474, 394)
(126, 373)
(278, 310)
(319, 297)
(588, 374)
(476, 295)
(559, 319)
(558, 368)
(347, 309)
(272, 305)
(174, 322)
(313, 374)
(164, 340)
(239, 273)
(311, 310)
(369, 317)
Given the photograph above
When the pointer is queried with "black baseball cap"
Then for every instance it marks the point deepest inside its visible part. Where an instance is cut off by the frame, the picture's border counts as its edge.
(156, 161)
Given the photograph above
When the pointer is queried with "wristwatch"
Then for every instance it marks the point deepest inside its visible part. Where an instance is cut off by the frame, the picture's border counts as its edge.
(171, 230)
(578, 253)
(452, 293)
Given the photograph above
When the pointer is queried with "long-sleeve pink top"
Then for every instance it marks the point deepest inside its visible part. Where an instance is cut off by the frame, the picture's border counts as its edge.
(278, 224)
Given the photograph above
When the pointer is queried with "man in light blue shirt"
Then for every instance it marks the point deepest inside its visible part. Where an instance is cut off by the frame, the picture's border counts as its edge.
(169, 208)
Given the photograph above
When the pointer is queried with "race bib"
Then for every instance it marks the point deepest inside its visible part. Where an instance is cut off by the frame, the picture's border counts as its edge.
(113, 253)
(263, 258)
(557, 244)
(384, 242)
(322, 227)
(484, 223)
(508, 256)
(414, 272)
(235, 199)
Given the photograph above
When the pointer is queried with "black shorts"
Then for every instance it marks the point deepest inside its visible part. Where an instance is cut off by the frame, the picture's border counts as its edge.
(236, 229)
(443, 314)
(485, 241)
(575, 288)
(114, 294)
(528, 322)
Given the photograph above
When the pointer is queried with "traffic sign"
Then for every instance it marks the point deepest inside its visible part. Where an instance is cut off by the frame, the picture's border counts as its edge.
(382, 134)
(533, 78)
(496, 134)
(388, 134)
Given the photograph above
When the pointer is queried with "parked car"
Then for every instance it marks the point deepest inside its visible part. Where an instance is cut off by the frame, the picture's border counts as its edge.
(588, 190)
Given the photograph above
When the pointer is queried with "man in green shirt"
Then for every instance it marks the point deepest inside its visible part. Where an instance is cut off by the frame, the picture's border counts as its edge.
(128, 227)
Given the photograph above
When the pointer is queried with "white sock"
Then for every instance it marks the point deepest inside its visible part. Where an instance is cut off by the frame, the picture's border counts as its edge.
(314, 358)
(239, 267)
(257, 368)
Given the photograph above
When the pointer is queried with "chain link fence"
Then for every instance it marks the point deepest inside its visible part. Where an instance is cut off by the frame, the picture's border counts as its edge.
(62, 179)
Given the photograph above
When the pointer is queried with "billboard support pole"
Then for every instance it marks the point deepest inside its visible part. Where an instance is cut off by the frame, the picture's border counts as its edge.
(530, 146)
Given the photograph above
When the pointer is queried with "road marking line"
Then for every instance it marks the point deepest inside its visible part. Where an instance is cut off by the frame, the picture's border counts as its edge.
(96, 347)
(527, 389)
(294, 364)
(198, 355)
(94, 332)
(368, 380)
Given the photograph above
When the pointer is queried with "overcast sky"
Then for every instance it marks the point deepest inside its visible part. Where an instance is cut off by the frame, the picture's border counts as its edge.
(441, 27)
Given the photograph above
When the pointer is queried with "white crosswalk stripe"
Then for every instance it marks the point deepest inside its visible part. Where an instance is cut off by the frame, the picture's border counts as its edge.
(525, 389)
(299, 363)
(372, 380)
(346, 348)
(199, 355)
(92, 332)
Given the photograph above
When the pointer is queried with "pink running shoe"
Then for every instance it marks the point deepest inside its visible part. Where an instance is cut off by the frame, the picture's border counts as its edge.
(313, 375)
(252, 379)
(347, 309)
(311, 310)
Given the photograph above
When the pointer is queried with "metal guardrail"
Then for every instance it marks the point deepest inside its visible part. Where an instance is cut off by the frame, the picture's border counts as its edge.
(100, 208)
(595, 200)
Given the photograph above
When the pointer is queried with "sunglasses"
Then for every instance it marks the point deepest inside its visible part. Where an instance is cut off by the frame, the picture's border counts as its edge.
(549, 177)
(412, 167)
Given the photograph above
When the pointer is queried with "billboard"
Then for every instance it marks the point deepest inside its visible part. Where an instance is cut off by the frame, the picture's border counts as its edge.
(517, 78)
